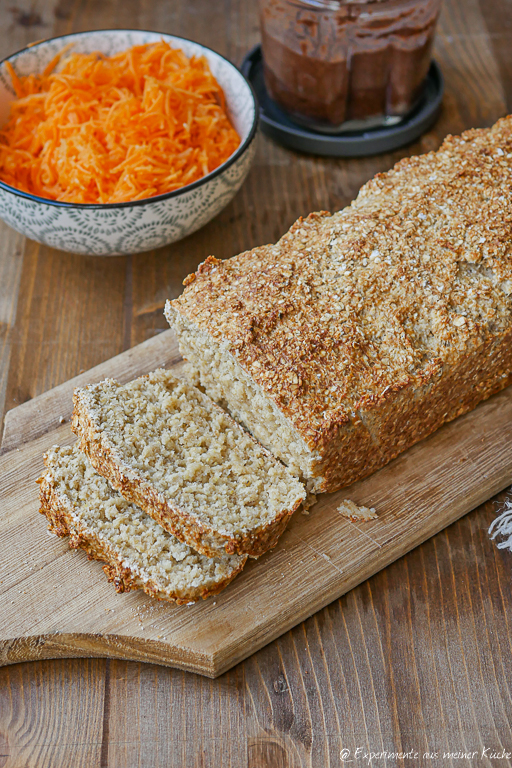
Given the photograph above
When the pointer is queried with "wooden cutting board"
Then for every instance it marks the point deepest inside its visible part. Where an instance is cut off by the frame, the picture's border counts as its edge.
(54, 602)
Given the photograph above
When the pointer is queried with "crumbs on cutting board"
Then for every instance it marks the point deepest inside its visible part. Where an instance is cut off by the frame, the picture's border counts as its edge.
(355, 513)
(308, 502)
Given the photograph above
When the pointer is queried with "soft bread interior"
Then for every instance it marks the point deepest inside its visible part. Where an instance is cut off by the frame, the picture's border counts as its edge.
(212, 366)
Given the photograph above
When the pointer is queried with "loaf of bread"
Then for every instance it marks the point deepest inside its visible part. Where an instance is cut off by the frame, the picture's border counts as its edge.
(168, 448)
(360, 333)
(137, 552)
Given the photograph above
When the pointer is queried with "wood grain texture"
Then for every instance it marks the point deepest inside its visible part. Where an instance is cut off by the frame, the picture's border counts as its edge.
(419, 654)
(318, 558)
(18, 26)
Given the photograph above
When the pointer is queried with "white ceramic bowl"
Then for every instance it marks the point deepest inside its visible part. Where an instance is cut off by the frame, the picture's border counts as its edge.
(114, 229)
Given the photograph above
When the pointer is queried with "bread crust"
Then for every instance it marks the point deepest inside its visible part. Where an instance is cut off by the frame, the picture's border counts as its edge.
(134, 488)
(62, 522)
(371, 327)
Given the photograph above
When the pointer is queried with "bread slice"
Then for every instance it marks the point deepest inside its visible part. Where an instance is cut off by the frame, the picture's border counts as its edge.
(138, 553)
(359, 333)
(169, 449)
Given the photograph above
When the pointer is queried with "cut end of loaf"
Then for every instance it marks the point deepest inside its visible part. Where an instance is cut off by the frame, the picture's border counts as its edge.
(213, 365)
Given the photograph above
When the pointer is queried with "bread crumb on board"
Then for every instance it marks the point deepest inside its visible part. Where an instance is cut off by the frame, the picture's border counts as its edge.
(350, 510)
(308, 502)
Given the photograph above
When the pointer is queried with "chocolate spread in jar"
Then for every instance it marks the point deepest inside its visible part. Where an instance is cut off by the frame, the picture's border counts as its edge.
(328, 61)
(305, 86)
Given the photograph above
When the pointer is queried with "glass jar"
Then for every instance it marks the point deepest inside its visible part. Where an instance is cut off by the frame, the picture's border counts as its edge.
(327, 62)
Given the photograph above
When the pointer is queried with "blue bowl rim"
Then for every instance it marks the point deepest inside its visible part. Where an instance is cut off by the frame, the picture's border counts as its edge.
(146, 200)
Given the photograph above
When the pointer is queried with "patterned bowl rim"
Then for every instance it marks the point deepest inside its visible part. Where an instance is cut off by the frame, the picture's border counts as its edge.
(157, 198)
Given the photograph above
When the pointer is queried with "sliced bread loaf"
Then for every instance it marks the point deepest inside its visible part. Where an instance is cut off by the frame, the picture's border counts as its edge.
(360, 333)
(169, 449)
(138, 553)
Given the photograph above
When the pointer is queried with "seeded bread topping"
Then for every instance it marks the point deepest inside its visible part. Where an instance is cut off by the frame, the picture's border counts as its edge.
(361, 332)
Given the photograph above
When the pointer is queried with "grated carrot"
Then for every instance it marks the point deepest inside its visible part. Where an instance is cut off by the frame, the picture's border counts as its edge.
(110, 129)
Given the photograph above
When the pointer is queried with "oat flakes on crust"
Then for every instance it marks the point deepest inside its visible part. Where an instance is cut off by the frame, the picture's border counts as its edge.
(371, 327)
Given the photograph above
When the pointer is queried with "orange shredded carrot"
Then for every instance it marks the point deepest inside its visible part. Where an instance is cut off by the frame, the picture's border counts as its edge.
(110, 129)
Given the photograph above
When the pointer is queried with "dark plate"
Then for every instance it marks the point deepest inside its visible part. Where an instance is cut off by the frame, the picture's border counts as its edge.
(276, 124)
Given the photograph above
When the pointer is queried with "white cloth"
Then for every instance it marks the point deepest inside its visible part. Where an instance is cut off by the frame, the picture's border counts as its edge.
(502, 527)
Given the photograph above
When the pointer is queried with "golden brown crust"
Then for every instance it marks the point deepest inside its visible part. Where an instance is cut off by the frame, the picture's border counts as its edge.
(134, 488)
(371, 327)
(62, 522)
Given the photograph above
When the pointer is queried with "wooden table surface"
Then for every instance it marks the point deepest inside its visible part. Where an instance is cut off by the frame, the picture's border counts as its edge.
(415, 660)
